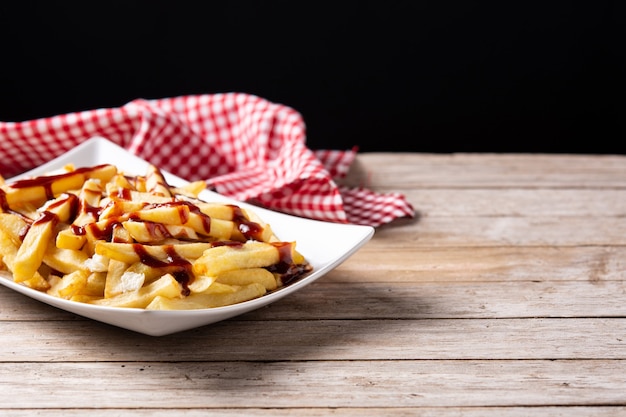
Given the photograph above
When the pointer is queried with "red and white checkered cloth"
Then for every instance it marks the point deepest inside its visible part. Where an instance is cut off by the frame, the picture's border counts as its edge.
(243, 146)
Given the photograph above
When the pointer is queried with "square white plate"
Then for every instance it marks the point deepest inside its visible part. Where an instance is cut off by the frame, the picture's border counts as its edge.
(325, 245)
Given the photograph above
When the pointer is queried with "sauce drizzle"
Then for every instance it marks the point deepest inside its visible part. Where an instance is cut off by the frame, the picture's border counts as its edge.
(179, 267)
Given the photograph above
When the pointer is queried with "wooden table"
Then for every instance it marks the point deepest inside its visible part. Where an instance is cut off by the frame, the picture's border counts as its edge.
(506, 296)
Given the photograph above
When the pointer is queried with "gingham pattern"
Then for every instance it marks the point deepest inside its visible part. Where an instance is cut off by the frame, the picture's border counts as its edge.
(243, 146)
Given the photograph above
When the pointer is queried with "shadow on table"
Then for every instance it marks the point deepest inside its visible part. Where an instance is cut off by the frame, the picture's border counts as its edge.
(308, 325)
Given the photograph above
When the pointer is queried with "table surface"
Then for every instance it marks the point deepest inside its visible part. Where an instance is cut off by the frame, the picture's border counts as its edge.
(506, 295)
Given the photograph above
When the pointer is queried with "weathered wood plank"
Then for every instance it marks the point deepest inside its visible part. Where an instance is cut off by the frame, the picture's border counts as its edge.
(317, 340)
(326, 299)
(407, 383)
(377, 262)
(568, 411)
(427, 231)
(520, 202)
(415, 170)
(453, 300)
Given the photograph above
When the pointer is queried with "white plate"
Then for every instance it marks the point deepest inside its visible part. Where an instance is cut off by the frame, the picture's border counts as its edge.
(325, 245)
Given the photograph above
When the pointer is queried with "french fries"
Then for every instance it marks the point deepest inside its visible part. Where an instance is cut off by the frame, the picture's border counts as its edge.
(101, 236)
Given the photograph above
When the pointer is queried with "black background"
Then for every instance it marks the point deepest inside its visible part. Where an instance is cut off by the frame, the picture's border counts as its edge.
(426, 76)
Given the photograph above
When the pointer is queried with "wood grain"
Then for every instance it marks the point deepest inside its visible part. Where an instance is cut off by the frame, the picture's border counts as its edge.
(327, 340)
(505, 296)
(408, 383)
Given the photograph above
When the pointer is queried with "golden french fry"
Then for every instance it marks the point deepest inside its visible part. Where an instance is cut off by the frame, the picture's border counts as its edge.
(90, 196)
(119, 182)
(132, 196)
(94, 287)
(119, 209)
(84, 298)
(8, 249)
(219, 259)
(69, 285)
(104, 173)
(166, 286)
(146, 232)
(62, 207)
(230, 222)
(201, 284)
(37, 282)
(46, 187)
(105, 230)
(121, 235)
(215, 210)
(64, 260)
(216, 228)
(30, 254)
(14, 226)
(198, 301)
(248, 276)
(131, 253)
(175, 213)
(191, 189)
(161, 213)
(266, 234)
(139, 183)
(70, 238)
(149, 273)
(113, 285)
(73, 237)
(156, 183)
(219, 288)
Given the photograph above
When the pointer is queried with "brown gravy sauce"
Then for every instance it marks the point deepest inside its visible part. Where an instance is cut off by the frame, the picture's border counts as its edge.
(179, 267)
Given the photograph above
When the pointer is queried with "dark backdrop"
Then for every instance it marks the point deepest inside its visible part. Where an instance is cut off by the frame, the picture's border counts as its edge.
(430, 76)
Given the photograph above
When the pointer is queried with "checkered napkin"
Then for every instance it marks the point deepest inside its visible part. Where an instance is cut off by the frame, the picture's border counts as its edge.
(243, 146)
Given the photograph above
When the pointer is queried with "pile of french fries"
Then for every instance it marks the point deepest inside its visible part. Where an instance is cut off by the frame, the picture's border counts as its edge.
(101, 236)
